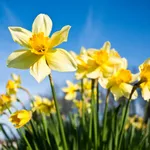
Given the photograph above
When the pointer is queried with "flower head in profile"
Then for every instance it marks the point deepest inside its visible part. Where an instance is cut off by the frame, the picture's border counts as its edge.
(103, 62)
(71, 90)
(39, 52)
(43, 105)
(13, 85)
(145, 79)
(82, 63)
(20, 118)
(120, 83)
(5, 102)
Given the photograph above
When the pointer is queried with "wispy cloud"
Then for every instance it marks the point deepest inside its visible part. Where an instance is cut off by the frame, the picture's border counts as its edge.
(91, 33)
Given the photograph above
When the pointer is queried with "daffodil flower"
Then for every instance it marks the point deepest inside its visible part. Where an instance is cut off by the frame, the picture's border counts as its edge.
(82, 63)
(43, 105)
(39, 52)
(71, 90)
(103, 62)
(20, 118)
(120, 84)
(79, 105)
(145, 79)
(5, 102)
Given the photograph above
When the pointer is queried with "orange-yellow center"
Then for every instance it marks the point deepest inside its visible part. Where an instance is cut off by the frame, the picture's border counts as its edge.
(101, 57)
(122, 76)
(39, 43)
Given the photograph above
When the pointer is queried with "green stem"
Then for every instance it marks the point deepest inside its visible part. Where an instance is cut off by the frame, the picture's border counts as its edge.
(146, 113)
(45, 128)
(125, 117)
(94, 114)
(26, 140)
(83, 105)
(97, 98)
(105, 117)
(58, 113)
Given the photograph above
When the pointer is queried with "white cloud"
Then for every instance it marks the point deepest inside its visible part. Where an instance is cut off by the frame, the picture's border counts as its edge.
(91, 33)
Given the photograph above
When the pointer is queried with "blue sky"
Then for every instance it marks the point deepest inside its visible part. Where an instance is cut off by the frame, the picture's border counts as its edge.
(126, 24)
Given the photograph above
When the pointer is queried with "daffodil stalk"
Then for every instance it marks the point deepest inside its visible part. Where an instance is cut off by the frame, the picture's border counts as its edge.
(45, 128)
(125, 115)
(105, 116)
(83, 101)
(94, 112)
(93, 116)
(58, 113)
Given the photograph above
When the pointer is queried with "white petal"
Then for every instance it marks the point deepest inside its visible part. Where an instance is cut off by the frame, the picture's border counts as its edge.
(126, 90)
(22, 59)
(146, 93)
(40, 70)
(42, 23)
(60, 60)
(60, 36)
(20, 35)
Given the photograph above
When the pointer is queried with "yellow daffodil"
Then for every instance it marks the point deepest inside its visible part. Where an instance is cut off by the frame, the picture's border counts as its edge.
(145, 79)
(103, 62)
(11, 87)
(135, 121)
(39, 52)
(5, 102)
(43, 105)
(20, 118)
(79, 105)
(119, 84)
(82, 63)
(71, 90)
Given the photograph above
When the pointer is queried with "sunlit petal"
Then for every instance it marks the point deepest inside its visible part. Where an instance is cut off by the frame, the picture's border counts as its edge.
(42, 23)
(40, 69)
(22, 59)
(20, 35)
(60, 60)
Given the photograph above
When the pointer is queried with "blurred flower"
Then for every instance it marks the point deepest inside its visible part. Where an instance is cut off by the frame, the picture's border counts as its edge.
(38, 53)
(135, 121)
(43, 105)
(11, 87)
(145, 79)
(79, 105)
(5, 102)
(103, 62)
(20, 118)
(119, 84)
(71, 90)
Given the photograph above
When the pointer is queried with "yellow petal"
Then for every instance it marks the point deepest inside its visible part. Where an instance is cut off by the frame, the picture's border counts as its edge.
(94, 73)
(116, 91)
(70, 96)
(60, 60)
(20, 35)
(42, 23)
(40, 69)
(106, 46)
(22, 59)
(146, 93)
(60, 36)
(126, 90)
